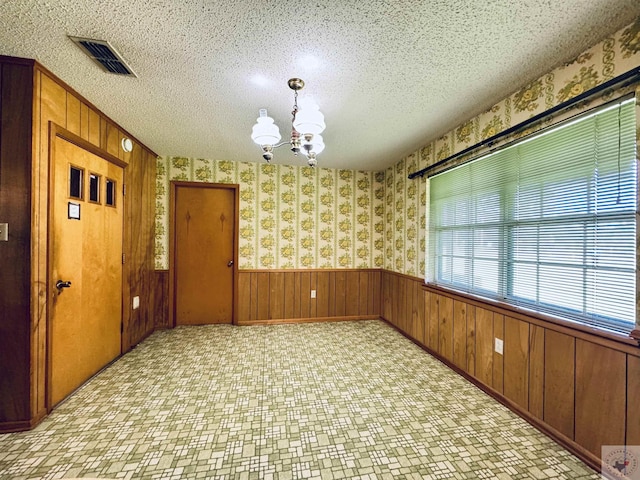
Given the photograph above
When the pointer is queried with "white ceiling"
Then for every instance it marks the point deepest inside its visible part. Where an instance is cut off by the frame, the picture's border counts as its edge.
(389, 76)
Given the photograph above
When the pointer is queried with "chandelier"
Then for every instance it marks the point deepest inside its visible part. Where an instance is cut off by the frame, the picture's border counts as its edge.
(306, 126)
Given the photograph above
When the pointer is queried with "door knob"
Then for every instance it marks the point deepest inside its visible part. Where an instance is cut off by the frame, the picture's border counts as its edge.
(230, 263)
(60, 285)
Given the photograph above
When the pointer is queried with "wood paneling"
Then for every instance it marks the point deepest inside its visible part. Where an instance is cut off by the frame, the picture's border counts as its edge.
(516, 361)
(460, 334)
(559, 382)
(601, 380)
(276, 295)
(471, 340)
(498, 360)
(484, 346)
(445, 332)
(633, 400)
(161, 299)
(434, 322)
(276, 299)
(536, 371)
(592, 388)
(16, 99)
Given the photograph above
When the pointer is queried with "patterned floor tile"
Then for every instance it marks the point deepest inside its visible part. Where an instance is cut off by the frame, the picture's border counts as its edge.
(314, 401)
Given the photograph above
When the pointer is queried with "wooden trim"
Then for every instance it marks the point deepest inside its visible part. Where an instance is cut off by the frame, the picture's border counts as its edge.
(404, 275)
(57, 131)
(54, 132)
(583, 454)
(282, 321)
(173, 185)
(635, 334)
(591, 334)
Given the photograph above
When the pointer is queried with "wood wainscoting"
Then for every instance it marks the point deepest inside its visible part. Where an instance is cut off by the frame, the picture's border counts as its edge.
(582, 389)
(284, 296)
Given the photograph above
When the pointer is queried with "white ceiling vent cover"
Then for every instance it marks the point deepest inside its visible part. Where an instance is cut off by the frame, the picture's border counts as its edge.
(104, 55)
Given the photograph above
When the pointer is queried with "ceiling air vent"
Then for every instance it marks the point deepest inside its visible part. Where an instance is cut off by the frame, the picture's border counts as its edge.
(104, 55)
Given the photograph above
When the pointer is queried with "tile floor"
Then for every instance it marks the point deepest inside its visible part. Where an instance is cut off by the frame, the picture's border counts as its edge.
(333, 400)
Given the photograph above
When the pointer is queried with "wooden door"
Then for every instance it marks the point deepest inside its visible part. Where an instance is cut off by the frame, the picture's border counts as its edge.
(203, 253)
(85, 249)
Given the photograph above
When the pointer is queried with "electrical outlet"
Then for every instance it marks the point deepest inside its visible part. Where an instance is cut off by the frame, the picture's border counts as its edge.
(4, 232)
(499, 346)
(136, 302)
(313, 294)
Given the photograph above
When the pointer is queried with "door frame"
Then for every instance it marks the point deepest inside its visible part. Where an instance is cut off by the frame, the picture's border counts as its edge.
(173, 186)
(56, 131)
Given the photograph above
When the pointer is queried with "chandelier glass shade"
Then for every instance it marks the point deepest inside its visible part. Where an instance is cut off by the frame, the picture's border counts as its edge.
(307, 124)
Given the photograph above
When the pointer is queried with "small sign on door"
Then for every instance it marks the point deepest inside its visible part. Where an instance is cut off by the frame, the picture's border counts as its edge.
(74, 211)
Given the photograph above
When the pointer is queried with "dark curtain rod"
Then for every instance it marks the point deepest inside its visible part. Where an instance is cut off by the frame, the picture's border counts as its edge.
(630, 77)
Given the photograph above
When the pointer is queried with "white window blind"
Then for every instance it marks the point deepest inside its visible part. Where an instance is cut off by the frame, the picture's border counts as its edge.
(547, 223)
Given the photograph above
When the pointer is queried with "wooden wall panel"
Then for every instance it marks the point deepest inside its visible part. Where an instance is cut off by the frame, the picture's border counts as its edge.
(601, 379)
(407, 313)
(633, 400)
(84, 121)
(139, 242)
(536, 371)
(16, 100)
(445, 341)
(244, 296)
(94, 127)
(434, 322)
(471, 340)
(460, 334)
(419, 315)
(559, 382)
(387, 302)
(363, 292)
(161, 299)
(262, 312)
(289, 296)
(352, 293)
(73, 114)
(276, 295)
(340, 292)
(484, 346)
(498, 360)
(516, 361)
(375, 300)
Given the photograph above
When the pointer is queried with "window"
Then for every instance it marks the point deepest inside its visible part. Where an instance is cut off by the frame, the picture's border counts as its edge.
(94, 188)
(110, 193)
(76, 179)
(547, 223)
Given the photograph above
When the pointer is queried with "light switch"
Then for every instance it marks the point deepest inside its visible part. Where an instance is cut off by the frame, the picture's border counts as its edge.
(136, 302)
(499, 346)
(4, 232)
(313, 294)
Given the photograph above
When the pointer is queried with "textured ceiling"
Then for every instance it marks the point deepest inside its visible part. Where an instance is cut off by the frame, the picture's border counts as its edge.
(388, 75)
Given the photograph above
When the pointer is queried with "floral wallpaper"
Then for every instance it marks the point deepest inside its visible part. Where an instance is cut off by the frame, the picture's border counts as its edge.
(290, 216)
(405, 213)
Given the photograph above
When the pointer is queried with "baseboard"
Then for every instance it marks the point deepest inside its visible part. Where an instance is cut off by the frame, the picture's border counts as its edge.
(282, 321)
(578, 450)
(22, 425)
